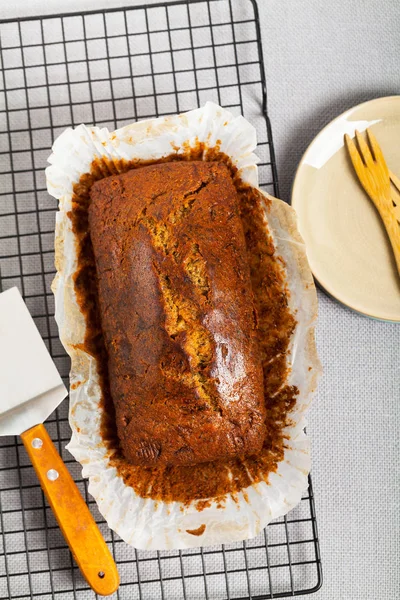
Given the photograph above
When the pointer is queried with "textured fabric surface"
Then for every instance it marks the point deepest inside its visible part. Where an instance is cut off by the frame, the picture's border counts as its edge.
(322, 58)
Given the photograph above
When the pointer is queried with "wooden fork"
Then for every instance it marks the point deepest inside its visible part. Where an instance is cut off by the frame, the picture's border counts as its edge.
(373, 175)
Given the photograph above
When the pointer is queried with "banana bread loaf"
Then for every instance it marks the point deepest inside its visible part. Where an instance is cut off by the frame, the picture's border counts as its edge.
(177, 314)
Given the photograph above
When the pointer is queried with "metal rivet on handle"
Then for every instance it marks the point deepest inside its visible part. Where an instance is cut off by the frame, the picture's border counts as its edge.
(37, 443)
(101, 574)
(52, 474)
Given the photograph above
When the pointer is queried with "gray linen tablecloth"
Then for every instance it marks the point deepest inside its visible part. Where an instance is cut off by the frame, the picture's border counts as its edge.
(322, 58)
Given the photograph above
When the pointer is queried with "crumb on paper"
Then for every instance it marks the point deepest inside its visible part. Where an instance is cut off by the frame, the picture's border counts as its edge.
(199, 531)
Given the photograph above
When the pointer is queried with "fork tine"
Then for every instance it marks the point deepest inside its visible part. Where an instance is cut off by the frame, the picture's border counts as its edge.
(364, 149)
(358, 164)
(396, 210)
(396, 203)
(395, 180)
(378, 154)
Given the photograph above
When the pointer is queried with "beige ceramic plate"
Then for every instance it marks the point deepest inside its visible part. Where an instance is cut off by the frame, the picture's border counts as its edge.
(347, 246)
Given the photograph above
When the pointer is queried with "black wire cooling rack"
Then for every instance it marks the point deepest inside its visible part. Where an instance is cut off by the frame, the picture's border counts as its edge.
(110, 68)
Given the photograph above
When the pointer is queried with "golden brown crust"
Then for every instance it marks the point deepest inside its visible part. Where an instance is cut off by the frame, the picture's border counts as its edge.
(177, 314)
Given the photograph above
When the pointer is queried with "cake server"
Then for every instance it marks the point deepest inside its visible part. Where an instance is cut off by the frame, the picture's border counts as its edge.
(30, 389)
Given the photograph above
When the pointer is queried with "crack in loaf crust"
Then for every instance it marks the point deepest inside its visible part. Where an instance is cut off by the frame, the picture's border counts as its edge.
(177, 316)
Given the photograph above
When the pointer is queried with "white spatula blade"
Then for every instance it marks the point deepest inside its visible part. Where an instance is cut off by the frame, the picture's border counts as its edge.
(30, 385)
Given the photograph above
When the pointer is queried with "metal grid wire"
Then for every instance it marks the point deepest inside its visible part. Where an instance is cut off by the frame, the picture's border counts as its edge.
(110, 68)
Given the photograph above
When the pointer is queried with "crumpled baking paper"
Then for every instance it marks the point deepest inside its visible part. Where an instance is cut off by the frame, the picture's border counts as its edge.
(144, 523)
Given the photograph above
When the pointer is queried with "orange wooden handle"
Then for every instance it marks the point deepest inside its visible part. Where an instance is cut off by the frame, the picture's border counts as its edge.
(73, 516)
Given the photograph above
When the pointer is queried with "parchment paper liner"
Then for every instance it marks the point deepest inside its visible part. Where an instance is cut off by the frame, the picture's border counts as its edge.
(145, 523)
